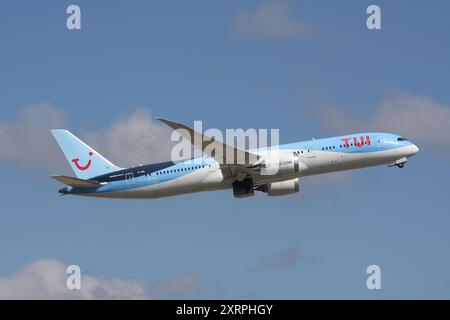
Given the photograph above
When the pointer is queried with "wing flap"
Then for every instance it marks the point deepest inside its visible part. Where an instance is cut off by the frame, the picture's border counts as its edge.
(75, 182)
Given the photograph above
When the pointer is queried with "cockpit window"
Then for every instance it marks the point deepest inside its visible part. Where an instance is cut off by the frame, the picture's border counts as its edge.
(402, 139)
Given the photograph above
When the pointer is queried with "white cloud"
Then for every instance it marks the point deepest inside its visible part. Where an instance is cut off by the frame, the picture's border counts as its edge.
(46, 279)
(418, 118)
(27, 139)
(135, 139)
(280, 260)
(131, 140)
(270, 20)
(183, 284)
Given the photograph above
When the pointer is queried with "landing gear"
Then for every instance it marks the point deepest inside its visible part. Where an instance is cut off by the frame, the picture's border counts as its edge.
(244, 188)
(399, 163)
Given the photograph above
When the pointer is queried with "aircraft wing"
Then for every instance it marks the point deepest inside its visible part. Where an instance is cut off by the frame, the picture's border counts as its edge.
(76, 183)
(212, 147)
(233, 161)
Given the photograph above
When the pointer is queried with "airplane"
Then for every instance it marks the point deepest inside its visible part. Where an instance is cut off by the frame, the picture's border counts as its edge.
(274, 171)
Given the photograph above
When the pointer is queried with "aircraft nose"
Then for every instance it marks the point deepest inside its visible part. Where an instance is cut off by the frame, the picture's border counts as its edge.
(414, 149)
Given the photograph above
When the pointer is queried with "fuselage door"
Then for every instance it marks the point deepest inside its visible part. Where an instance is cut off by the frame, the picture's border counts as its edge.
(129, 177)
(212, 167)
(310, 153)
(380, 142)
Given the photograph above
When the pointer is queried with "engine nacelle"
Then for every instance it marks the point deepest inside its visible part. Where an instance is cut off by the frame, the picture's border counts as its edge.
(281, 163)
(283, 188)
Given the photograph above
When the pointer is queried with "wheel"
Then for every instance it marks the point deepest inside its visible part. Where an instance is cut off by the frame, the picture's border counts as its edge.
(401, 165)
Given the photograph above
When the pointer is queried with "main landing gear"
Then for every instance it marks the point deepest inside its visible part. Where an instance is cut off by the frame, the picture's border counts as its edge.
(244, 188)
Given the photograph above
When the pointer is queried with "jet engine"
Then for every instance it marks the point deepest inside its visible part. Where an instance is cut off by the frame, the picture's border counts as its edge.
(282, 163)
(282, 188)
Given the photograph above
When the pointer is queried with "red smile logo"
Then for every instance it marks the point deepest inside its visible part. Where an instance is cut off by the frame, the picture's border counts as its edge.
(82, 168)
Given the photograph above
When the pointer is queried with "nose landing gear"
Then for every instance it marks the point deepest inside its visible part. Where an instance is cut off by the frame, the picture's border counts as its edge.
(399, 163)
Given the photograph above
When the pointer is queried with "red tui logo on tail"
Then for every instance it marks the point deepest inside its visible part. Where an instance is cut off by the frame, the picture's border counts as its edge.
(80, 167)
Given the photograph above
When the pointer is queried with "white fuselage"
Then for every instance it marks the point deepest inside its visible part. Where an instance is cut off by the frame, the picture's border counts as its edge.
(205, 174)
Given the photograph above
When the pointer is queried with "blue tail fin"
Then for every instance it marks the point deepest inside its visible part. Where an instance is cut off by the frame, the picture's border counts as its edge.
(85, 162)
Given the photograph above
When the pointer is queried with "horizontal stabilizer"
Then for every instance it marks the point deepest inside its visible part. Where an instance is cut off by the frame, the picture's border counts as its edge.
(76, 183)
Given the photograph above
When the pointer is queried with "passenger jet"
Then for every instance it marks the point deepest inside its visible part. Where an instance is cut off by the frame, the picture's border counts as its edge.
(274, 171)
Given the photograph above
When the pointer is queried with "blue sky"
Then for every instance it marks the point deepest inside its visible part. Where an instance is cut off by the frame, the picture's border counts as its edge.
(311, 69)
